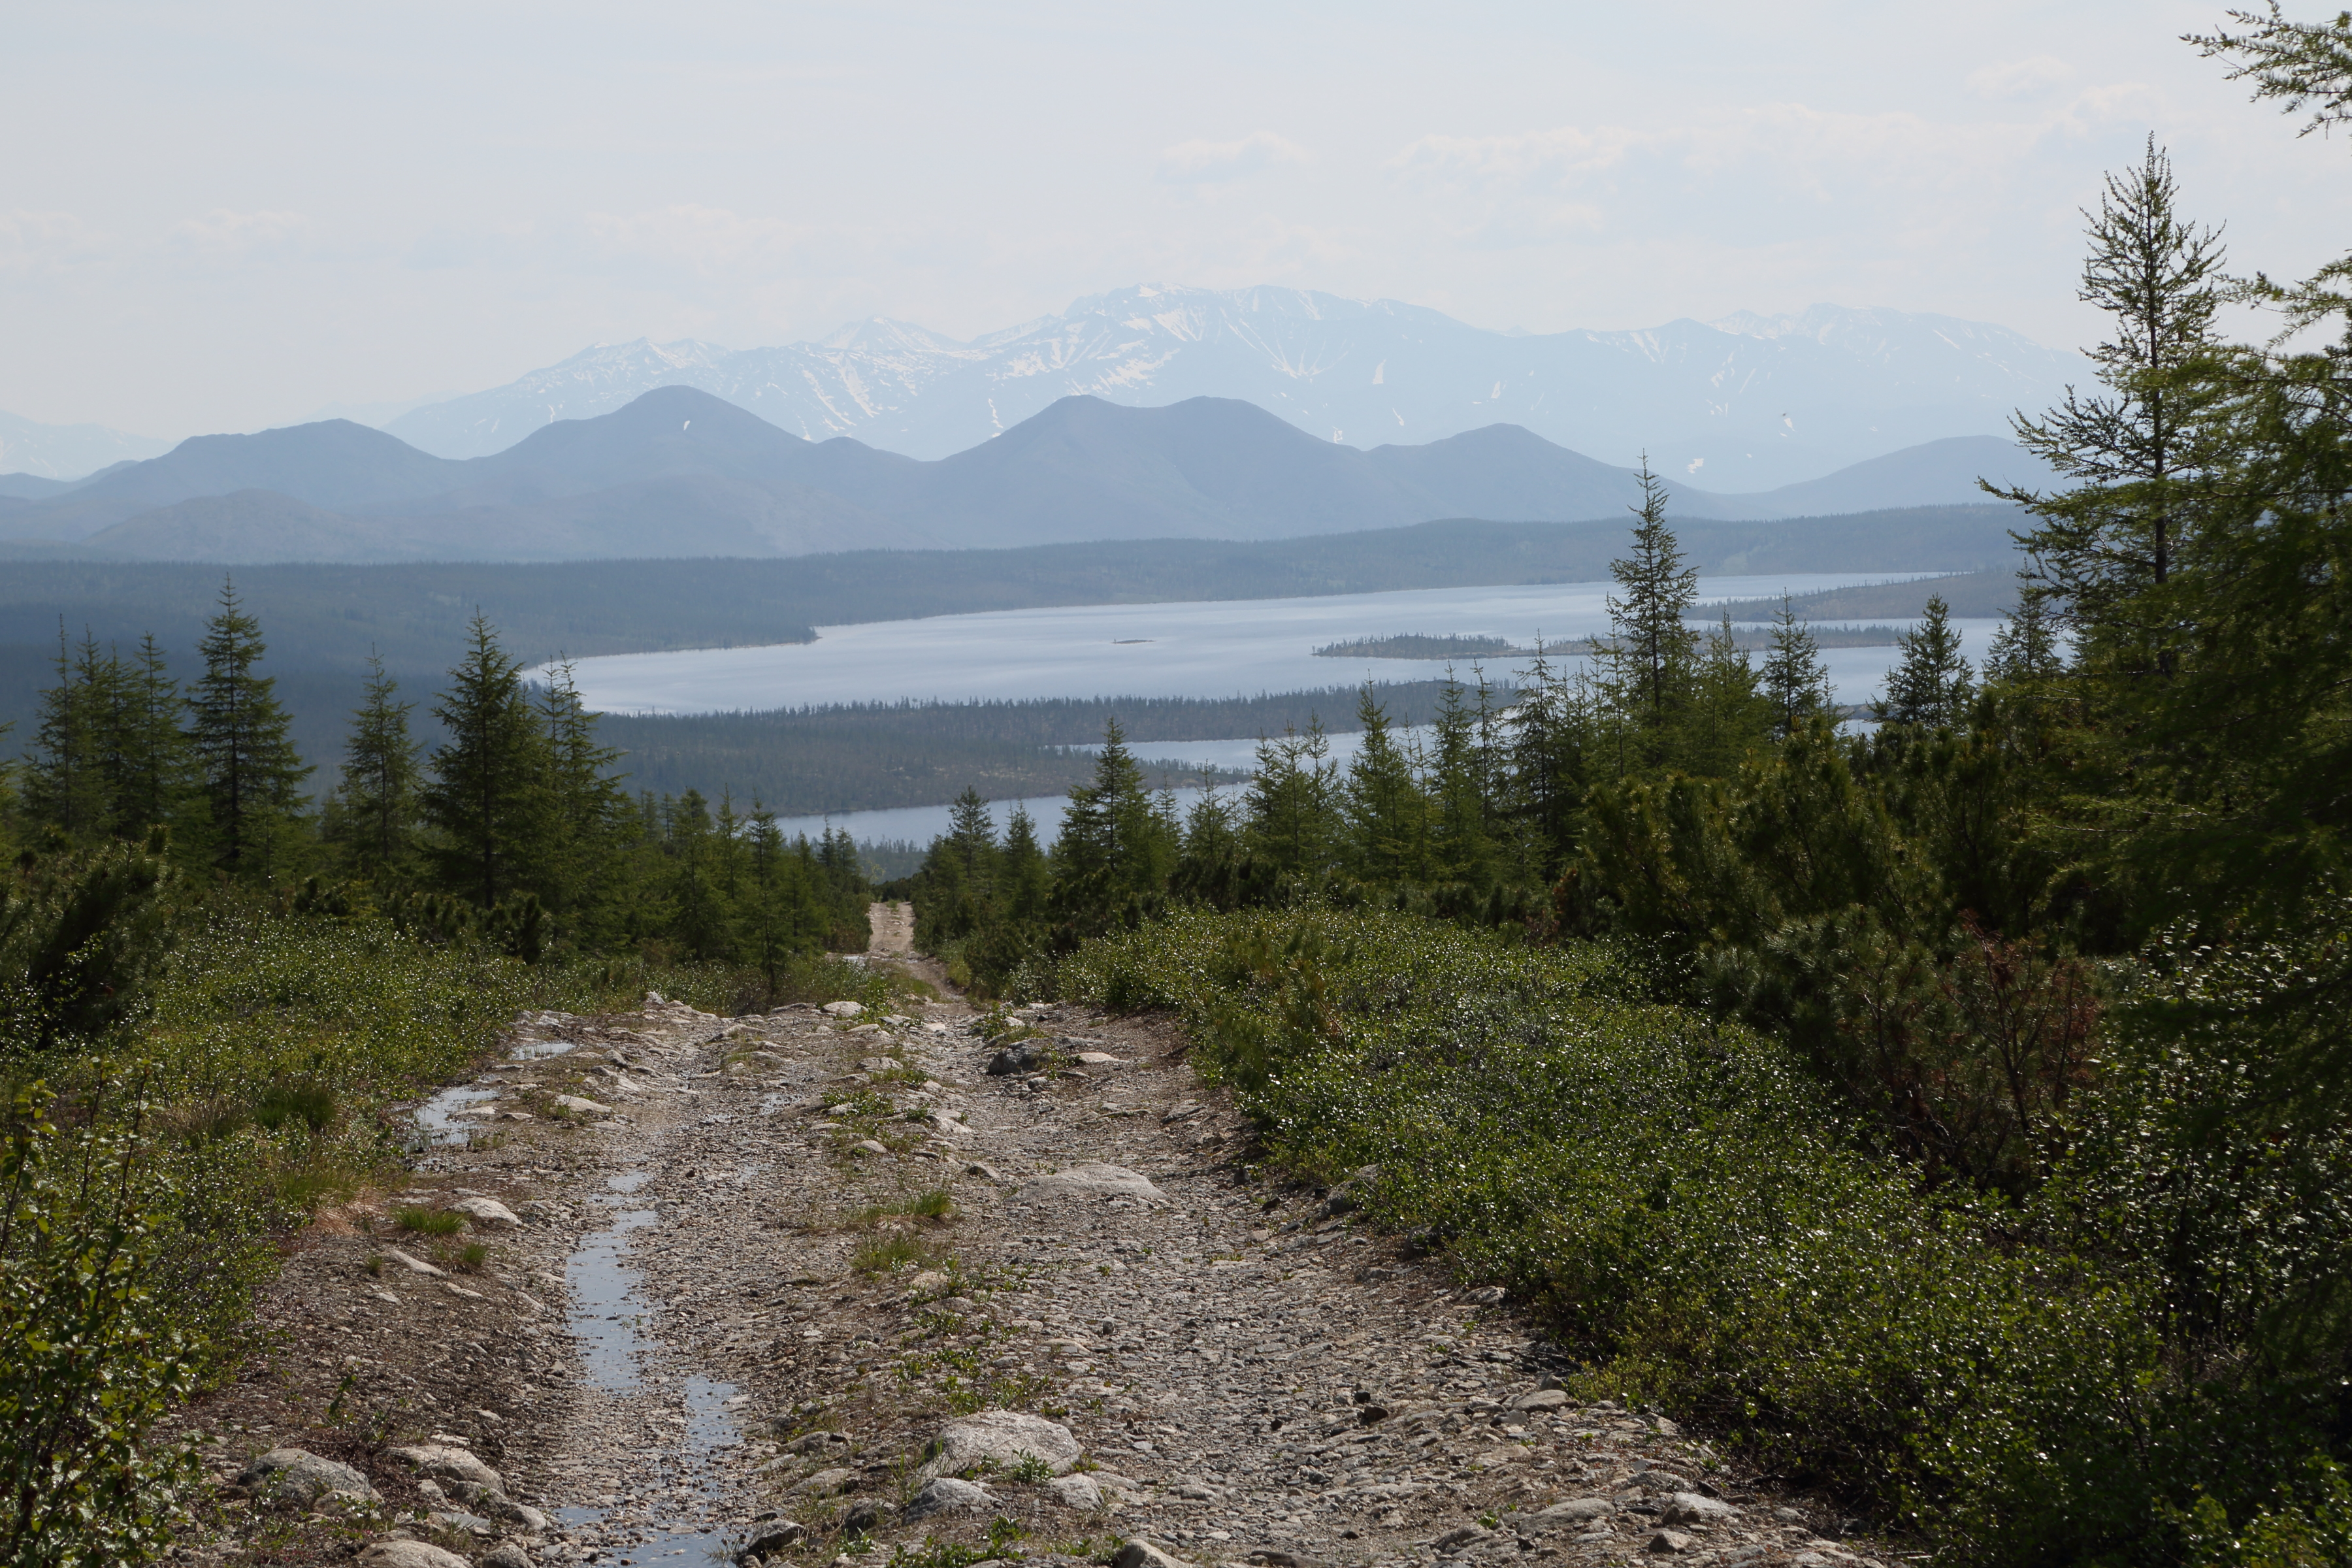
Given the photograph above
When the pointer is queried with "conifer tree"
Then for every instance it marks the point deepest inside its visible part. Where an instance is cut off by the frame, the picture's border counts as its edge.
(380, 780)
(1291, 802)
(1461, 844)
(488, 800)
(1388, 816)
(65, 787)
(2135, 450)
(152, 745)
(1726, 716)
(702, 919)
(588, 806)
(2025, 650)
(248, 773)
(1114, 847)
(1025, 877)
(1552, 739)
(1795, 681)
(1651, 648)
(1930, 685)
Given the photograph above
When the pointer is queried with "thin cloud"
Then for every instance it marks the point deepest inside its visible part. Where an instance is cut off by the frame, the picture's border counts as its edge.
(1201, 162)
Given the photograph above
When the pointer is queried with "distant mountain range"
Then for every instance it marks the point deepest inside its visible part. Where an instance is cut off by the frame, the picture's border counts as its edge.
(1745, 402)
(37, 457)
(678, 473)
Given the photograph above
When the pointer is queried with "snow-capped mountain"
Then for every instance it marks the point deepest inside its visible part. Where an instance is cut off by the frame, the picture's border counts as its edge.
(67, 451)
(1747, 403)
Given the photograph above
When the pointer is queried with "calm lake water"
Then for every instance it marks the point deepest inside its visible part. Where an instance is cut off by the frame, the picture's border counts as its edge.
(1222, 649)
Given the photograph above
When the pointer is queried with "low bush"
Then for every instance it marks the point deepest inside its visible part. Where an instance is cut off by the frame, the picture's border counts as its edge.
(1680, 1201)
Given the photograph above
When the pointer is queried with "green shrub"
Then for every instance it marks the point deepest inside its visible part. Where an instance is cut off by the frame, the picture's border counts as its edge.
(1691, 1213)
(94, 1345)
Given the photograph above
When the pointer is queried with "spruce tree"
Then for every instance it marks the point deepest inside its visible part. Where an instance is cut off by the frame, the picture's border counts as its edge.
(1114, 848)
(1460, 845)
(588, 807)
(1728, 716)
(65, 787)
(2025, 650)
(1388, 816)
(1795, 681)
(1930, 685)
(1550, 762)
(1292, 806)
(380, 780)
(1651, 648)
(1024, 877)
(488, 801)
(153, 746)
(248, 773)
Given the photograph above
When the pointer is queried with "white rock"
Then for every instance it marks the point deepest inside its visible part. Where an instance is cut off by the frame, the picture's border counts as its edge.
(409, 1554)
(1541, 1399)
(1076, 1492)
(414, 1264)
(1003, 1438)
(1099, 1059)
(516, 1516)
(945, 1494)
(1577, 1510)
(1143, 1554)
(579, 1106)
(1097, 1181)
(448, 1464)
(1695, 1508)
(845, 1009)
(299, 1476)
(825, 1483)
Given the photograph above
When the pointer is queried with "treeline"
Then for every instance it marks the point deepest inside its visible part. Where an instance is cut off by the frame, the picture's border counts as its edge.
(866, 756)
(1481, 819)
(2062, 946)
(515, 827)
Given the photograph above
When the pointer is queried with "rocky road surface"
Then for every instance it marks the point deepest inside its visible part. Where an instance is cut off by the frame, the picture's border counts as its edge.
(823, 1288)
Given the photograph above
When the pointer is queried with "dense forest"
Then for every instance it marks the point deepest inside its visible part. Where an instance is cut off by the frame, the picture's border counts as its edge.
(1952, 1110)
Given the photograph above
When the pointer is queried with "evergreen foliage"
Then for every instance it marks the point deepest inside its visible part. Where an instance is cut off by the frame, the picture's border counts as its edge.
(248, 774)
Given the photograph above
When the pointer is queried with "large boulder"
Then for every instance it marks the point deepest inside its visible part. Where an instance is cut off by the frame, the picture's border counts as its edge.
(303, 1479)
(1002, 1438)
(487, 1212)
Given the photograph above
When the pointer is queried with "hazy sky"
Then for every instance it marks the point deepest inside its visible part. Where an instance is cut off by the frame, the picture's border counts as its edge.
(221, 214)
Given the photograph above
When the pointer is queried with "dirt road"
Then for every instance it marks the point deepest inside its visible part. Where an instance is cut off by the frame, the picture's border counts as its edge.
(765, 1266)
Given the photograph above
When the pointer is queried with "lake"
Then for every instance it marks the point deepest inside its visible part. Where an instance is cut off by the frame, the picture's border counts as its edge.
(1221, 648)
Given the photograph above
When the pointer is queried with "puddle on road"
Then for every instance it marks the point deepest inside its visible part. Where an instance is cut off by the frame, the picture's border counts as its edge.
(603, 1317)
(533, 1050)
(439, 1119)
(628, 1180)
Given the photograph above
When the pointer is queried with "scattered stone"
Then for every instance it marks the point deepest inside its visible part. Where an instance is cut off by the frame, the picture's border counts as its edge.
(867, 1517)
(449, 1464)
(1076, 1491)
(302, 1478)
(1484, 1296)
(487, 1212)
(1096, 1181)
(868, 1146)
(409, 1554)
(580, 1107)
(506, 1555)
(1469, 1536)
(1691, 1508)
(1022, 1056)
(825, 1483)
(1668, 1542)
(1577, 1510)
(845, 1009)
(459, 1521)
(1098, 1059)
(985, 1172)
(771, 1538)
(945, 1494)
(1003, 1437)
(1541, 1399)
(879, 1064)
(1143, 1554)
(414, 1264)
(1182, 1112)
(817, 1442)
(515, 1516)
